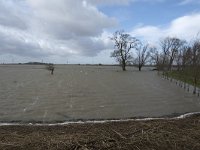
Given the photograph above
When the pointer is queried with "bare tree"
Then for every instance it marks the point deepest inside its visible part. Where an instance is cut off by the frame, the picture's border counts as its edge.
(143, 53)
(165, 50)
(123, 45)
(185, 56)
(170, 47)
(154, 55)
(156, 58)
(195, 66)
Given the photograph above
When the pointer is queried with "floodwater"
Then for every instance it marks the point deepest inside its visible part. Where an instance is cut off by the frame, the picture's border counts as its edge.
(29, 93)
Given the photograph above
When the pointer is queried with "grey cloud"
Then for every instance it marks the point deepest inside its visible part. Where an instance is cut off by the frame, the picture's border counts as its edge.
(70, 18)
(12, 46)
(11, 14)
(37, 28)
(89, 46)
(16, 42)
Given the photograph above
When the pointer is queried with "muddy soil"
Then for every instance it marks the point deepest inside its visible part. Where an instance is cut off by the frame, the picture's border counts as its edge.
(173, 134)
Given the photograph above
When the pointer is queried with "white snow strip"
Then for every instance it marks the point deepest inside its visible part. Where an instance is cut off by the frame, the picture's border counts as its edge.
(101, 121)
(187, 115)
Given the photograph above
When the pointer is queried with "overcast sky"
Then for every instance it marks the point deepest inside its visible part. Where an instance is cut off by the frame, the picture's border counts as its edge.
(78, 31)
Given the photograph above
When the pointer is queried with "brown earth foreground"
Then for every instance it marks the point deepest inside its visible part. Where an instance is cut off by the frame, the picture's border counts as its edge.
(177, 134)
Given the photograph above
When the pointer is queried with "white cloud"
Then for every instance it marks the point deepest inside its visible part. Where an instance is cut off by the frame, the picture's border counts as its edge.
(148, 33)
(184, 2)
(119, 2)
(109, 2)
(186, 27)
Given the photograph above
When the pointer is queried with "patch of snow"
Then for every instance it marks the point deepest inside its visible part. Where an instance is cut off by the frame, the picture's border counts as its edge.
(187, 115)
(101, 121)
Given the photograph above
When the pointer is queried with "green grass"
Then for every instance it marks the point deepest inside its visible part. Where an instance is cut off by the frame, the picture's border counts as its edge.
(185, 76)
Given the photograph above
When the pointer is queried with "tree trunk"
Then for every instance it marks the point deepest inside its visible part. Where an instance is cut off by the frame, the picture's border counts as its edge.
(194, 91)
(195, 87)
(170, 65)
(52, 71)
(123, 65)
(140, 67)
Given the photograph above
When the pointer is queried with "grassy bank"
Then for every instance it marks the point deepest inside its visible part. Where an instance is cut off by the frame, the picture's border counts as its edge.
(185, 76)
(182, 134)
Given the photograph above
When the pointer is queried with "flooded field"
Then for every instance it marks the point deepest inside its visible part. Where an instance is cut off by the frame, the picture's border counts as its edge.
(29, 93)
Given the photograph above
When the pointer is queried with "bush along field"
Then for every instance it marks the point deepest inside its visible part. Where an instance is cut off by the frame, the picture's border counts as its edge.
(185, 79)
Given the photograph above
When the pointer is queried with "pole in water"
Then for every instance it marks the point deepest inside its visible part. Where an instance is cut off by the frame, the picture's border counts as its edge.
(194, 91)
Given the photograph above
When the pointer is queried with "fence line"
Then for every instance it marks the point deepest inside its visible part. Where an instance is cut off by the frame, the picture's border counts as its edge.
(186, 86)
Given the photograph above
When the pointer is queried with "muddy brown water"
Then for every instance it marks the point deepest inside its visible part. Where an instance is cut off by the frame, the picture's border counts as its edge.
(29, 93)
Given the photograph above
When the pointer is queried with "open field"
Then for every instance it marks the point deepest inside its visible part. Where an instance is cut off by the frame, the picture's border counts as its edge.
(31, 94)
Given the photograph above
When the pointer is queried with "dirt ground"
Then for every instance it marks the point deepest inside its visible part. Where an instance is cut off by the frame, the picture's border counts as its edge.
(173, 134)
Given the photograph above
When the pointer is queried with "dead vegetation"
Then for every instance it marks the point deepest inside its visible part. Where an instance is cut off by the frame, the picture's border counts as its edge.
(50, 67)
(137, 135)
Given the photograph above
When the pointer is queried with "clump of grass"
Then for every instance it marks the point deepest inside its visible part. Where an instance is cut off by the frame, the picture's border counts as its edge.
(185, 76)
(51, 68)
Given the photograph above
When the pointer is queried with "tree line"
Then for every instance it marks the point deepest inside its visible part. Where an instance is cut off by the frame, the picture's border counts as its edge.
(181, 60)
(172, 54)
